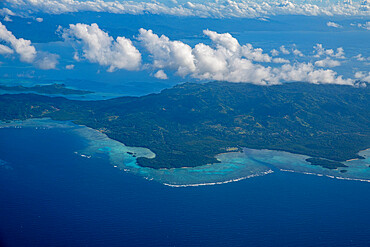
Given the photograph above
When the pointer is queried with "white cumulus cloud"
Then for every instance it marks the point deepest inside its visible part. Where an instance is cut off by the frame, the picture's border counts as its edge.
(227, 60)
(168, 54)
(5, 50)
(7, 19)
(70, 66)
(6, 11)
(274, 52)
(327, 62)
(46, 60)
(98, 47)
(359, 57)
(333, 24)
(366, 25)
(319, 51)
(284, 50)
(363, 76)
(307, 73)
(280, 60)
(297, 52)
(161, 75)
(26, 51)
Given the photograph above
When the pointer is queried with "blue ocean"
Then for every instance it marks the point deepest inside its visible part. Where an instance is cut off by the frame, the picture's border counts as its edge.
(68, 185)
(51, 196)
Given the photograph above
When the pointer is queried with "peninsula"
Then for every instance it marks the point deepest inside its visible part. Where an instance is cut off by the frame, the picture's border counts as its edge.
(189, 124)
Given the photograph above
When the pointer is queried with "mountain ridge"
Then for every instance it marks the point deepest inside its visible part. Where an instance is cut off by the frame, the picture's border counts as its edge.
(189, 124)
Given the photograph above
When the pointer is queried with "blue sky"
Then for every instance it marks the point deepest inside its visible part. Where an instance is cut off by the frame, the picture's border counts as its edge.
(155, 45)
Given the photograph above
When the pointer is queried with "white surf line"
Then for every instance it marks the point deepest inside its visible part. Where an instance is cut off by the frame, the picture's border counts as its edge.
(217, 183)
(329, 176)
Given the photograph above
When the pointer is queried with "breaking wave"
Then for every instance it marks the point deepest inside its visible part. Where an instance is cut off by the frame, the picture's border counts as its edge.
(233, 166)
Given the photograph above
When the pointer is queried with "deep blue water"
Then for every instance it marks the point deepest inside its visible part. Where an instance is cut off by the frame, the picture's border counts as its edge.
(50, 196)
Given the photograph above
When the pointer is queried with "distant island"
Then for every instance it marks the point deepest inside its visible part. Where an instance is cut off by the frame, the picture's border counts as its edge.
(189, 124)
(55, 88)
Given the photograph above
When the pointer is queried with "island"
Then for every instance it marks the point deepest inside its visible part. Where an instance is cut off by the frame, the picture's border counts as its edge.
(55, 88)
(329, 164)
(189, 124)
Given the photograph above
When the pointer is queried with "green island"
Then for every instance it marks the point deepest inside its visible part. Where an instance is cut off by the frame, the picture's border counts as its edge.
(325, 163)
(187, 125)
(55, 88)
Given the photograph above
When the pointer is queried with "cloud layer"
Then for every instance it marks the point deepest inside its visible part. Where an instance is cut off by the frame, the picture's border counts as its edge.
(98, 47)
(223, 58)
(22, 47)
(366, 25)
(227, 60)
(218, 9)
(26, 51)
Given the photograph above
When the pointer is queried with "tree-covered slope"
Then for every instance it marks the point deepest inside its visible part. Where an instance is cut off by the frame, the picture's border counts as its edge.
(191, 123)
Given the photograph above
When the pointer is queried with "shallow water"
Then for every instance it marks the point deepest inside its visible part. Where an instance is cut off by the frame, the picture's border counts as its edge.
(55, 197)
(358, 169)
(234, 166)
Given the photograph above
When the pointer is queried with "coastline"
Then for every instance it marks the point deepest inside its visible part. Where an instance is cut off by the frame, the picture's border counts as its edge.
(233, 166)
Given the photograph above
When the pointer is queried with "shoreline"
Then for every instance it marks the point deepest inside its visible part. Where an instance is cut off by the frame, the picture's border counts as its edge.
(171, 173)
(241, 149)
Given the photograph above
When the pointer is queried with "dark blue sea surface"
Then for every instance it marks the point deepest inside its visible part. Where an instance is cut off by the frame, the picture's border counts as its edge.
(50, 196)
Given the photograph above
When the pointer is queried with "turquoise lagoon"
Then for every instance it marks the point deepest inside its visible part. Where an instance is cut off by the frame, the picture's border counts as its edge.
(234, 166)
